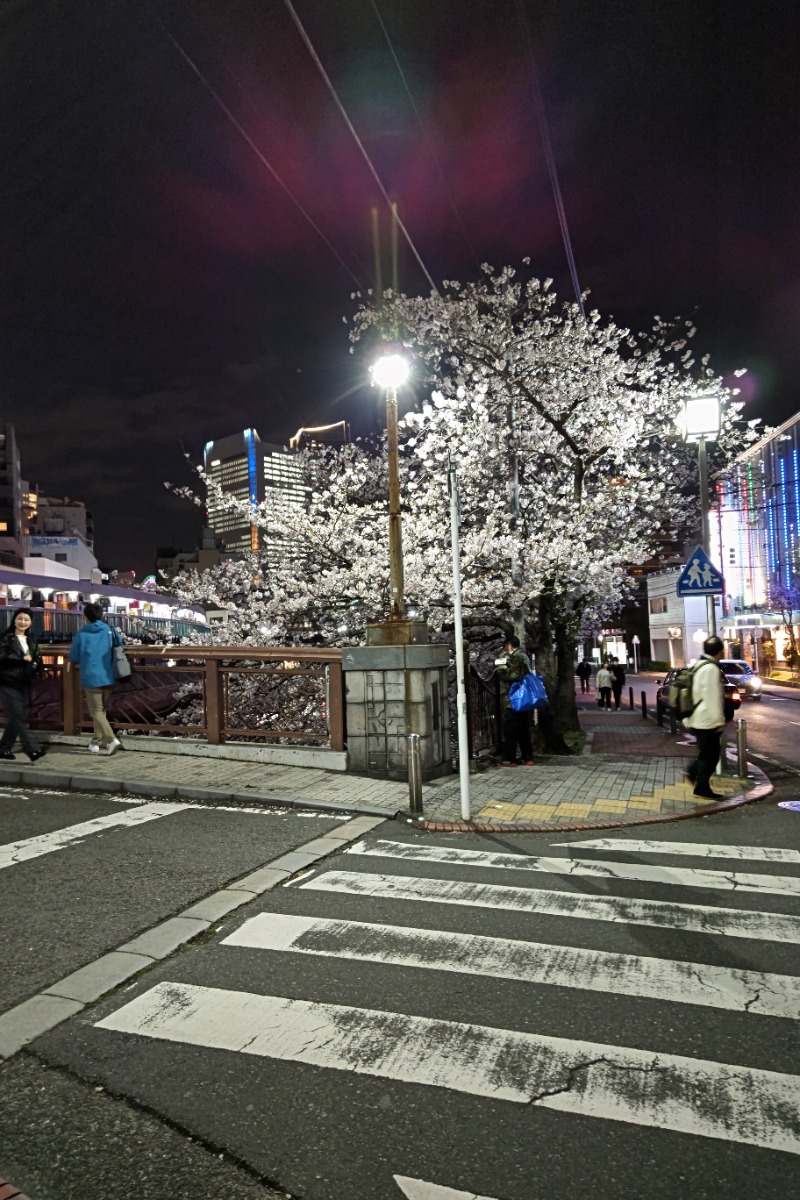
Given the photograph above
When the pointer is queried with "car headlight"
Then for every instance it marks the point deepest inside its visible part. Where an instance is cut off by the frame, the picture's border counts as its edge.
(756, 679)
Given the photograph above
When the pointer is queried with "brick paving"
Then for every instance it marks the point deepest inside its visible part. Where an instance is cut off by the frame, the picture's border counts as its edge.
(631, 770)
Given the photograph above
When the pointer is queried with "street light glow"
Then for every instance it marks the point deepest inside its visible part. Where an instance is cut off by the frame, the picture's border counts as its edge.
(390, 370)
(701, 418)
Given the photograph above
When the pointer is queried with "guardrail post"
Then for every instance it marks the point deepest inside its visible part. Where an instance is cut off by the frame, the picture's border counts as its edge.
(336, 706)
(214, 702)
(414, 774)
(70, 697)
(741, 746)
(644, 705)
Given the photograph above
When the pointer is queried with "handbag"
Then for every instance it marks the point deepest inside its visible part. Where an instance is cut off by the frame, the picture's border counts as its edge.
(529, 693)
(120, 664)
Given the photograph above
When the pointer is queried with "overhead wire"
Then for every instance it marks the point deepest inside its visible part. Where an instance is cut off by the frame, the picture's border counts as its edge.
(547, 145)
(258, 152)
(364, 154)
(428, 143)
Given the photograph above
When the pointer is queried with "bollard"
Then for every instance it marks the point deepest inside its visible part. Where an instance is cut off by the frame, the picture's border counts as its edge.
(414, 775)
(631, 701)
(644, 705)
(741, 745)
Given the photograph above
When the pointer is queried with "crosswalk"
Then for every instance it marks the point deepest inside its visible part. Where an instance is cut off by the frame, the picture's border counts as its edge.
(692, 956)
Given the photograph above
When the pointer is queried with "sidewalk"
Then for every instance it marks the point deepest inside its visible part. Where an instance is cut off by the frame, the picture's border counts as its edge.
(631, 771)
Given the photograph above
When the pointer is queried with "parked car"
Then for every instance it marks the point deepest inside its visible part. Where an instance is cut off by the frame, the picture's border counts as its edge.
(742, 675)
(733, 697)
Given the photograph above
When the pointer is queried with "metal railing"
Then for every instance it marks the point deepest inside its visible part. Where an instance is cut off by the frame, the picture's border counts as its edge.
(54, 625)
(213, 693)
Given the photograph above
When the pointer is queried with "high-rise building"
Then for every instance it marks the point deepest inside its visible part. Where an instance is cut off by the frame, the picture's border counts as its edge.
(253, 471)
(12, 529)
(337, 434)
(236, 464)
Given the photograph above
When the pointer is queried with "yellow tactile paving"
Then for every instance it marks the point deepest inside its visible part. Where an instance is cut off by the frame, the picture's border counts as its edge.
(572, 810)
(611, 806)
(650, 803)
(536, 812)
(499, 812)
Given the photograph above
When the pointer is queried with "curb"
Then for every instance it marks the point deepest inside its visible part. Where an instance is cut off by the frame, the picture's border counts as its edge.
(9, 1192)
(36, 777)
(759, 792)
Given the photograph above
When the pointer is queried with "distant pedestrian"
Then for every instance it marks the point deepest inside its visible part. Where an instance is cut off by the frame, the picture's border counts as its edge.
(617, 681)
(707, 719)
(516, 725)
(19, 661)
(603, 683)
(584, 673)
(92, 649)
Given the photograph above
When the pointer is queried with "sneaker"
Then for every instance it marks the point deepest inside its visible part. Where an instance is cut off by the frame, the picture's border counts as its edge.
(7, 754)
(111, 747)
(94, 748)
(709, 795)
(37, 754)
(527, 762)
(507, 763)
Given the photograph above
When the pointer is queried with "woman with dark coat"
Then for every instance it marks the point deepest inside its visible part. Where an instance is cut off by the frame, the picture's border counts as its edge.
(19, 661)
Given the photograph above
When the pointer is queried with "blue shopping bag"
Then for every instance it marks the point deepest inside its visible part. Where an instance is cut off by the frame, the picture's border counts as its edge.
(528, 694)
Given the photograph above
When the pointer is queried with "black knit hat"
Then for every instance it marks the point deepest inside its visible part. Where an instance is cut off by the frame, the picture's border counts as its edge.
(512, 640)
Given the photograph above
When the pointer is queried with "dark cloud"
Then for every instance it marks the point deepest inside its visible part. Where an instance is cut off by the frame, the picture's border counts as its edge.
(158, 288)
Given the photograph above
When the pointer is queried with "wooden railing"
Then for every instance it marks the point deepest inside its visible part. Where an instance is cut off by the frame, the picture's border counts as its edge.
(217, 693)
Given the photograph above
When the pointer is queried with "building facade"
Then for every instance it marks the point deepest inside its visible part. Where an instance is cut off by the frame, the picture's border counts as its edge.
(758, 542)
(255, 473)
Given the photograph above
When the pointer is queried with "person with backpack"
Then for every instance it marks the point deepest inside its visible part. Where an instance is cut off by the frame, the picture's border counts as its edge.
(706, 720)
(617, 681)
(516, 725)
(93, 650)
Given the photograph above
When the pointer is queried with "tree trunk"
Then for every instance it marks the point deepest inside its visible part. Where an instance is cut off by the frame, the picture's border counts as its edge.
(561, 713)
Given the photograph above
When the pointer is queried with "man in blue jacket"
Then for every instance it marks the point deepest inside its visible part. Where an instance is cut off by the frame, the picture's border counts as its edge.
(92, 650)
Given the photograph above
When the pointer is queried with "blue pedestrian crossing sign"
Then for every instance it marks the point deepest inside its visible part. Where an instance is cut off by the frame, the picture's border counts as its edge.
(700, 577)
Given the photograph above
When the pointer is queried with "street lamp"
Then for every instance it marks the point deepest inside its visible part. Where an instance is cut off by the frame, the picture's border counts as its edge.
(390, 372)
(700, 423)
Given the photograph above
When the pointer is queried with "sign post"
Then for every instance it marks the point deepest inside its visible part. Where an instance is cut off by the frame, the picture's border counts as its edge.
(635, 644)
(701, 578)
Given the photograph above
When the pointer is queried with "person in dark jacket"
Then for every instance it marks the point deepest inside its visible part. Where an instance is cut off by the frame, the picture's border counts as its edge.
(92, 649)
(516, 725)
(19, 661)
(617, 681)
(584, 673)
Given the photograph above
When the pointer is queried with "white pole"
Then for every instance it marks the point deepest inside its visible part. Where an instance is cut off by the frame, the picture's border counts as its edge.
(635, 666)
(461, 691)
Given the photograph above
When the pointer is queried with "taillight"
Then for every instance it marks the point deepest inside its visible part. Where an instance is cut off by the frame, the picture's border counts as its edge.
(736, 696)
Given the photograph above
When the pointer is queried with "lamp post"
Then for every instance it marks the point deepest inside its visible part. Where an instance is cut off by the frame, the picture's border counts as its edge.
(390, 372)
(701, 424)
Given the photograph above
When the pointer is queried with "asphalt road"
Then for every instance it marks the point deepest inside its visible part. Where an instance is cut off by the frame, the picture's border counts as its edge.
(508, 1017)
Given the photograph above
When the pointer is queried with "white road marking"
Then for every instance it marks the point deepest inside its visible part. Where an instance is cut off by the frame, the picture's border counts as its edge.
(695, 918)
(532, 962)
(418, 1189)
(777, 885)
(664, 1091)
(46, 843)
(692, 849)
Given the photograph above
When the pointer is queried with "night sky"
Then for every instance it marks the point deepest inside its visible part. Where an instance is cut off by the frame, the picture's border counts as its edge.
(158, 289)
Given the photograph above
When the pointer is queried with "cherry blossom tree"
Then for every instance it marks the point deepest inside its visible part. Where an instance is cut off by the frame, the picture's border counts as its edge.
(563, 433)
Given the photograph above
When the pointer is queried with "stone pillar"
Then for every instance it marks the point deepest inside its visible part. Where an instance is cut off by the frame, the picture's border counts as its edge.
(391, 691)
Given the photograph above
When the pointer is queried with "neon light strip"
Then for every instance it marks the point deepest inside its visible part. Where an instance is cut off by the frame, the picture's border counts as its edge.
(785, 510)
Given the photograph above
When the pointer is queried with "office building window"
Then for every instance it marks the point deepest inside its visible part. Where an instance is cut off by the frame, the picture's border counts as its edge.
(658, 604)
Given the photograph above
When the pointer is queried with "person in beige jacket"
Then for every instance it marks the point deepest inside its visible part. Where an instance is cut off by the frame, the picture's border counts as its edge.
(708, 717)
